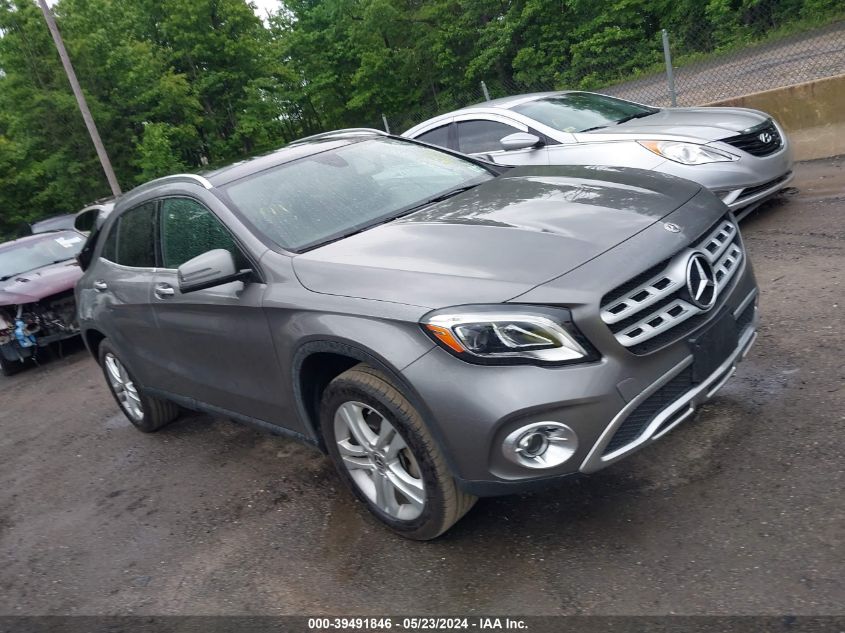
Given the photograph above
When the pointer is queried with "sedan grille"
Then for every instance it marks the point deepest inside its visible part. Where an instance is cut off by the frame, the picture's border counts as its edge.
(761, 140)
(643, 313)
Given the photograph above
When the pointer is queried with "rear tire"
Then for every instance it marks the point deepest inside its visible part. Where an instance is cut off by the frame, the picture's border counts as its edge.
(390, 460)
(147, 413)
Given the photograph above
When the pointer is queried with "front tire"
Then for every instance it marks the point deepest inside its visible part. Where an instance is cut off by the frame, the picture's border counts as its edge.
(386, 455)
(147, 413)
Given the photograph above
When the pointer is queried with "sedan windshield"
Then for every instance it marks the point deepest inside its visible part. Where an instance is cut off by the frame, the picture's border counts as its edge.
(335, 193)
(582, 111)
(30, 254)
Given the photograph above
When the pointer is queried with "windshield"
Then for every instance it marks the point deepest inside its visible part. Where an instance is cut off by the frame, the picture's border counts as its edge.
(326, 196)
(35, 253)
(582, 111)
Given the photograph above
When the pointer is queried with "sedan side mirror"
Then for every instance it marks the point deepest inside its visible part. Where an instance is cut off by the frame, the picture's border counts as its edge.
(521, 140)
(212, 268)
(86, 221)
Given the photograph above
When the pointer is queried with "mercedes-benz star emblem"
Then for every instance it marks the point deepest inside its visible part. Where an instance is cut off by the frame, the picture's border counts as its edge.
(701, 281)
(765, 137)
(671, 227)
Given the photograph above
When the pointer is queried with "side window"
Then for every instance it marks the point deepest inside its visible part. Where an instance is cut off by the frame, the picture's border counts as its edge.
(109, 251)
(438, 136)
(136, 231)
(189, 229)
(482, 136)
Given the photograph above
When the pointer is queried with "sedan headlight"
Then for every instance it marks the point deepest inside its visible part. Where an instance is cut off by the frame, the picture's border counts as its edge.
(688, 153)
(508, 334)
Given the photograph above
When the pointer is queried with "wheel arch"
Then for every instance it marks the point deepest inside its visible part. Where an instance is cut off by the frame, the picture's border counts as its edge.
(339, 356)
(93, 338)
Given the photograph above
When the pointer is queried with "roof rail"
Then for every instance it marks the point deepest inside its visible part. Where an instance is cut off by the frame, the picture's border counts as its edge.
(350, 131)
(194, 178)
(182, 178)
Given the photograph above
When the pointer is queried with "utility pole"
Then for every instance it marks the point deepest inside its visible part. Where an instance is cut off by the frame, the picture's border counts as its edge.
(80, 99)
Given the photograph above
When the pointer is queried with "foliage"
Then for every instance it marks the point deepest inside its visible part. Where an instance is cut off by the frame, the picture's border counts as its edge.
(177, 84)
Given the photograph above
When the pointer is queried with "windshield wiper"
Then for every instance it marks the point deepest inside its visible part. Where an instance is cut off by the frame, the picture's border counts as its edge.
(639, 115)
(590, 129)
(448, 194)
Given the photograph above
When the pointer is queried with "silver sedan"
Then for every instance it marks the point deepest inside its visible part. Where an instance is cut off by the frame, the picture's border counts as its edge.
(742, 155)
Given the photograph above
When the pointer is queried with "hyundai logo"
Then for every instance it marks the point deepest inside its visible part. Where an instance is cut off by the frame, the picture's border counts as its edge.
(765, 137)
(701, 281)
(671, 227)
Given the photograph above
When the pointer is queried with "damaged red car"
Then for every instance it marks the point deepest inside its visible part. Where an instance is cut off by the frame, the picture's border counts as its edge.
(37, 308)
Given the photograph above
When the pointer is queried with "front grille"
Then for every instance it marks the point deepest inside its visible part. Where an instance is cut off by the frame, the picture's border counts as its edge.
(760, 140)
(641, 417)
(645, 312)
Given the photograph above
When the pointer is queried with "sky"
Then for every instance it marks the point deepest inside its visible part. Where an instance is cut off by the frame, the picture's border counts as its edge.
(262, 6)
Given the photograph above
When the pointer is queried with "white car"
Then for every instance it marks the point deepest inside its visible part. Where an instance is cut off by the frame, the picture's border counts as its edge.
(741, 155)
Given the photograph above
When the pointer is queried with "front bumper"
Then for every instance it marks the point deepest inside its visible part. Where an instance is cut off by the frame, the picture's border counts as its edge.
(471, 409)
(743, 184)
(678, 410)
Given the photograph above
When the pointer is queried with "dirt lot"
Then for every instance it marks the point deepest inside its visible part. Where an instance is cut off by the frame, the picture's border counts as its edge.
(737, 512)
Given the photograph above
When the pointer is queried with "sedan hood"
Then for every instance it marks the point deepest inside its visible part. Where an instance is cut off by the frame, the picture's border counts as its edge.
(37, 284)
(497, 240)
(705, 124)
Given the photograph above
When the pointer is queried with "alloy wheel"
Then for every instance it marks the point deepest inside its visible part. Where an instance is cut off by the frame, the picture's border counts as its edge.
(124, 387)
(379, 461)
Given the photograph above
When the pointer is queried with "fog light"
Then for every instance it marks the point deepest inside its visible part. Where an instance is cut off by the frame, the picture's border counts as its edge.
(540, 445)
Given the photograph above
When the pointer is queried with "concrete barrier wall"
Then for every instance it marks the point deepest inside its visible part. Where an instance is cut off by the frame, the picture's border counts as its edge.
(812, 113)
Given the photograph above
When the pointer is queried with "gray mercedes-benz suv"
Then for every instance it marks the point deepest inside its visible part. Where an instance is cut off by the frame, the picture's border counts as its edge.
(443, 327)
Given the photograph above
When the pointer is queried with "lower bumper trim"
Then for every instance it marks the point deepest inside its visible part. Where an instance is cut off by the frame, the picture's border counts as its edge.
(673, 414)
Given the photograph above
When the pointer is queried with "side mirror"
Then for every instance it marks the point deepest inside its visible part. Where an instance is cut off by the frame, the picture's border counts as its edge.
(212, 268)
(521, 140)
(86, 221)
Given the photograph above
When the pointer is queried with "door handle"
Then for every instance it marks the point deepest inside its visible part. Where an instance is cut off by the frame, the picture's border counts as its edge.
(100, 285)
(163, 291)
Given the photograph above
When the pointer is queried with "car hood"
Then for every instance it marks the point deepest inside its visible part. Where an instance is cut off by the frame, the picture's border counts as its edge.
(37, 284)
(705, 124)
(497, 240)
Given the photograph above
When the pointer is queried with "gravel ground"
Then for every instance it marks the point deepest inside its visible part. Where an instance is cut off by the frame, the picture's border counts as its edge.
(739, 511)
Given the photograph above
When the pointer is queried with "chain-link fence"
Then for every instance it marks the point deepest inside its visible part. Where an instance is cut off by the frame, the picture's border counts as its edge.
(688, 69)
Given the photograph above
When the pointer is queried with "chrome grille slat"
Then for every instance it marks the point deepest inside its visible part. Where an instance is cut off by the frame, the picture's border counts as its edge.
(727, 264)
(643, 329)
(719, 239)
(629, 317)
(627, 306)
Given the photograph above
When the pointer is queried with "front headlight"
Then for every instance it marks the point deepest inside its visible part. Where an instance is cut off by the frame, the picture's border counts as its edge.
(508, 334)
(688, 153)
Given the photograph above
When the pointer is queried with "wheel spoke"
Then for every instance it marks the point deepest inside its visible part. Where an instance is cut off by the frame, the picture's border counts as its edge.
(410, 487)
(385, 494)
(132, 392)
(114, 372)
(354, 456)
(386, 434)
(395, 445)
(353, 416)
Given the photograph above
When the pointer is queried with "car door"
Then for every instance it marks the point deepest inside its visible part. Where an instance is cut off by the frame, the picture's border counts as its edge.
(121, 285)
(217, 346)
(482, 137)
